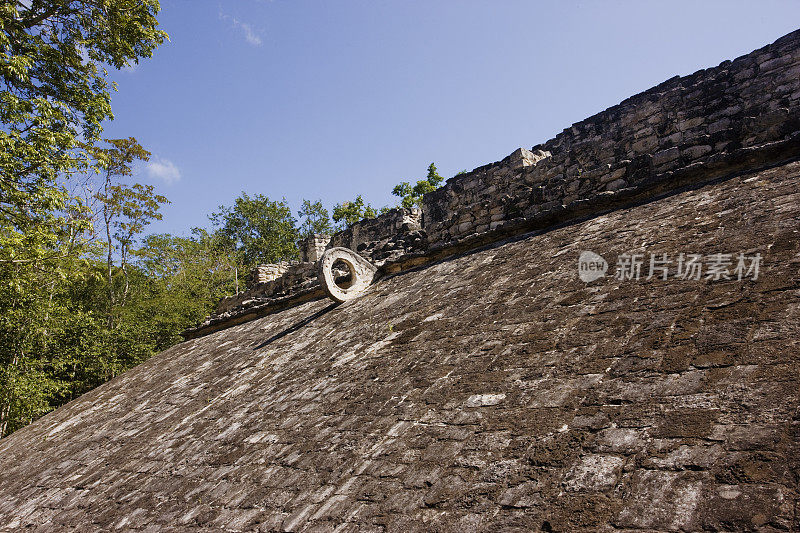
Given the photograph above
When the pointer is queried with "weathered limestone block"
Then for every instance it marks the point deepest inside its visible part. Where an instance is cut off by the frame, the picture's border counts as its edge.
(693, 152)
(412, 219)
(268, 272)
(362, 272)
(312, 247)
(525, 158)
(666, 156)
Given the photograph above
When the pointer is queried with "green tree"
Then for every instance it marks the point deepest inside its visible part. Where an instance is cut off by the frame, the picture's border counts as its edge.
(54, 96)
(348, 213)
(125, 210)
(258, 229)
(25, 311)
(60, 334)
(185, 278)
(412, 195)
(35, 263)
(315, 219)
(55, 88)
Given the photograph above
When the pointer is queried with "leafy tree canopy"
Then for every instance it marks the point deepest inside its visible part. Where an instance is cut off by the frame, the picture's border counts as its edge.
(54, 88)
(315, 219)
(56, 296)
(259, 229)
(348, 213)
(412, 195)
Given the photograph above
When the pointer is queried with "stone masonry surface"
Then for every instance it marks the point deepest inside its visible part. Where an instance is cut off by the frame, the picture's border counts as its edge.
(479, 384)
(737, 116)
(266, 273)
(493, 391)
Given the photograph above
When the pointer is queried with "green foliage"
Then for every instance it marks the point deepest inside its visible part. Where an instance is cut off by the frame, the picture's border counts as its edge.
(37, 267)
(38, 255)
(70, 320)
(54, 89)
(131, 209)
(125, 211)
(315, 219)
(56, 341)
(412, 195)
(348, 213)
(184, 278)
(258, 229)
(65, 328)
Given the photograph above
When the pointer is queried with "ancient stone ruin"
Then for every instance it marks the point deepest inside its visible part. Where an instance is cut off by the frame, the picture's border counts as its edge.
(358, 274)
(596, 334)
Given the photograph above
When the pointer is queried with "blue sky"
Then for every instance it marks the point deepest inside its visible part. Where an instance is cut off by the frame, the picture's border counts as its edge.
(328, 99)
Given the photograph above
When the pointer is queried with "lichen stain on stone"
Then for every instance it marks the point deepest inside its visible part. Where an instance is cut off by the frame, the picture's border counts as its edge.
(484, 400)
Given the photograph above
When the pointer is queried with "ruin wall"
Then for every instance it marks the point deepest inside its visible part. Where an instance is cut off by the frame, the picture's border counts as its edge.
(685, 132)
(710, 119)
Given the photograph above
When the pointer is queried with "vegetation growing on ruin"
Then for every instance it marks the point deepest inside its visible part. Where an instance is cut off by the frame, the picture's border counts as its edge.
(411, 195)
(348, 213)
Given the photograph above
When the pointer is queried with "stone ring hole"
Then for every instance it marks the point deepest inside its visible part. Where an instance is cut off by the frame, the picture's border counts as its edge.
(344, 274)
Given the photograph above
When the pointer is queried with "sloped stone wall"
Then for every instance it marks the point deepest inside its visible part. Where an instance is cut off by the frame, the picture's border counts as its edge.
(492, 392)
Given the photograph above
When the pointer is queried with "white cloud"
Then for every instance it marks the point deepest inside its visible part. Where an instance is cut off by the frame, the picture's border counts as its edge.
(250, 33)
(162, 169)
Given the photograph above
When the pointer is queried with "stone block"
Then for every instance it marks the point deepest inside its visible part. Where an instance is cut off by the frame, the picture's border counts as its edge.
(616, 185)
(719, 125)
(693, 152)
(666, 156)
(594, 473)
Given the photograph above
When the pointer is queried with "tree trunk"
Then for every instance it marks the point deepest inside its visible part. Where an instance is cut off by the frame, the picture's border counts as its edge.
(5, 409)
(124, 267)
(110, 265)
